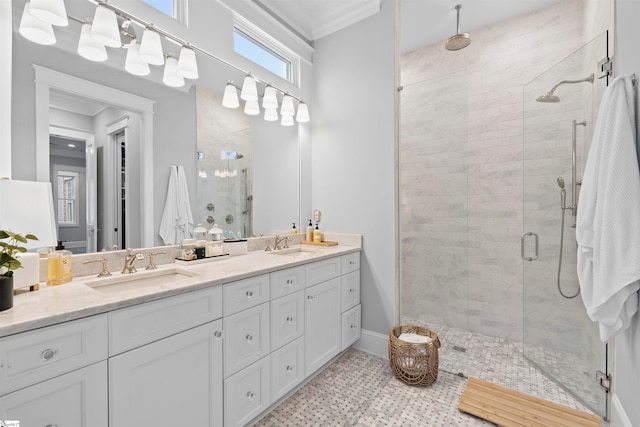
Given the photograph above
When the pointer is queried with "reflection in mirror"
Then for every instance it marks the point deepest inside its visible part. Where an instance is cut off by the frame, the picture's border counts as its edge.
(224, 166)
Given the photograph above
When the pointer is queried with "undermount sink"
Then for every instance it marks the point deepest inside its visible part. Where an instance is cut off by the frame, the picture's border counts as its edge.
(294, 251)
(140, 279)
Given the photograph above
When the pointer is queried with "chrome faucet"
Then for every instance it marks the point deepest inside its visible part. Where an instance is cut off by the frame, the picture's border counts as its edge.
(129, 262)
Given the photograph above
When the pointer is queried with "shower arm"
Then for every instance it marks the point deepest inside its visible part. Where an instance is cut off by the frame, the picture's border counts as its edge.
(587, 79)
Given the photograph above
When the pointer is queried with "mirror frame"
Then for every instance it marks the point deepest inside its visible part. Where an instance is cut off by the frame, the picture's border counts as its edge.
(47, 79)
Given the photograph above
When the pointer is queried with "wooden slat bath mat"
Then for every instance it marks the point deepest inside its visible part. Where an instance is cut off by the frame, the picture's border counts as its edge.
(507, 407)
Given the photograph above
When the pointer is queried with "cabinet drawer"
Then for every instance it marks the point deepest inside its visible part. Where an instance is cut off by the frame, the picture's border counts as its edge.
(350, 262)
(287, 319)
(287, 281)
(350, 327)
(321, 271)
(287, 368)
(350, 290)
(77, 399)
(34, 356)
(134, 326)
(246, 338)
(247, 394)
(243, 294)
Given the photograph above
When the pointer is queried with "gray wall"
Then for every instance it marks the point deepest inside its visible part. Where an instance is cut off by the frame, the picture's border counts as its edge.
(353, 151)
(626, 379)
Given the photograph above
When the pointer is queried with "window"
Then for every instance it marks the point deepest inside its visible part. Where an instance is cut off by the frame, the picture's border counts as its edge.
(67, 186)
(174, 8)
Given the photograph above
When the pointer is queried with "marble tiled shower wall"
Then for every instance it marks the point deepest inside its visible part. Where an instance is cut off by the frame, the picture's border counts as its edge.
(461, 168)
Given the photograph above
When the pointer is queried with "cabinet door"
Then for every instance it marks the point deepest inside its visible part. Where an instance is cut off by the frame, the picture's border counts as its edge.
(246, 336)
(322, 319)
(287, 319)
(350, 290)
(176, 381)
(76, 399)
(350, 327)
(246, 394)
(287, 368)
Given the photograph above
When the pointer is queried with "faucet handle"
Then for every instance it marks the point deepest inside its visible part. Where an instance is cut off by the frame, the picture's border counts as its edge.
(104, 272)
(152, 265)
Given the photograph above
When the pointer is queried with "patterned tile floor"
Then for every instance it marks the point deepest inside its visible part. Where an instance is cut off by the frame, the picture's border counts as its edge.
(359, 389)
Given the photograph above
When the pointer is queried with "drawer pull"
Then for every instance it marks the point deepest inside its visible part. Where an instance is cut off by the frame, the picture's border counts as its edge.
(290, 282)
(352, 290)
(218, 334)
(48, 354)
(289, 319)
(250, 395)
(310, 297)
(249, 294)
(249, 338)
(289, 369)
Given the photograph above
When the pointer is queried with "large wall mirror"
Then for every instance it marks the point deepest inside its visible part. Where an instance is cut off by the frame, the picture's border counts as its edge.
(107, 141)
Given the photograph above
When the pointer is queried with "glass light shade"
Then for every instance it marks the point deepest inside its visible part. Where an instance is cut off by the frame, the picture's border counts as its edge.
(105, 27)
(50, 11)
(287, 108)
(89, 48)
(34, 29)
(187, 65)
(249, 90)
(230, 97)
(252, 108)
(287, 120)
(133, 64)
(170, 76)
(270, 99)
(151, 48)
(271, 114)
(302, 116)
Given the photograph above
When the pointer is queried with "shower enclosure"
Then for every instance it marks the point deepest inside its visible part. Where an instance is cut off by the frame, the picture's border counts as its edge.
(470, 184)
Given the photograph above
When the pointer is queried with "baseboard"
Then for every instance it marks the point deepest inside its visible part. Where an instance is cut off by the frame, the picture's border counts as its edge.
(373, 343)
(619, 416)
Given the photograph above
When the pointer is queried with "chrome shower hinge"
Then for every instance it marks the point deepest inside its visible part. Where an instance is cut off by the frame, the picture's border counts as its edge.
(605, 68)
(603, 380)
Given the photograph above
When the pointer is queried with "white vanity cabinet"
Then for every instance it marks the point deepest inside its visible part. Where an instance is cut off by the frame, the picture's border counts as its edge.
(322, 319)
(351, 309)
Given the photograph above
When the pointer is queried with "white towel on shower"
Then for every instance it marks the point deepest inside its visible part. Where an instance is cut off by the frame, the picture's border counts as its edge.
(177, 220)
(608, 222)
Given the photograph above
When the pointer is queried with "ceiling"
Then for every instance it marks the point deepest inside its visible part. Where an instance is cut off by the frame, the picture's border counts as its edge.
(423, 22)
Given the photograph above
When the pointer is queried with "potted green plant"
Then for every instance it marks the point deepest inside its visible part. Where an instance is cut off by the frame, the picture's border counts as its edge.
(11, 245)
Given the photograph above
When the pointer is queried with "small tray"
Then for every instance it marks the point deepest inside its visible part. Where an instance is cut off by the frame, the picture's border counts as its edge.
(325, 243)
(201, 260)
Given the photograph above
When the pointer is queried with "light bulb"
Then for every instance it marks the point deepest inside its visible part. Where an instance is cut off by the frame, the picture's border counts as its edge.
(133, 64)
(249, 90)
(151, 47)
(170, 76)
(105, 27)
(230, 97)
(50, 11)
(34, 29)
(89, 48)
(187, 65)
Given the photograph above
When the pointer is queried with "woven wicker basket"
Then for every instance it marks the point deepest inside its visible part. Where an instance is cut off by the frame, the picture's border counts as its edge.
(414, 363)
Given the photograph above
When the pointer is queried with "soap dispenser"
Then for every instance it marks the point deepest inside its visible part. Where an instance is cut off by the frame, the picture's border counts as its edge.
(294, 230)
(317, 234)
(309, 232)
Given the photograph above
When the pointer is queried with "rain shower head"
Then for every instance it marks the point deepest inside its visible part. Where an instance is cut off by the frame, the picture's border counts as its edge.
(550, 97)
(459, 40)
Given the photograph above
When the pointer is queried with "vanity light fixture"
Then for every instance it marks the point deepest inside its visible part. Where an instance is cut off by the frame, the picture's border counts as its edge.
(89, 48)
(249, 90)
(302, 116)
(287, 108)
(287, 120)
(271, 114)
(187, 64)
(252, 108)
(170, 76)
(50, 11)
(270, 99)
(151, 47)
(230, 97)
(34, 29)
(105, 27)
(133, 64)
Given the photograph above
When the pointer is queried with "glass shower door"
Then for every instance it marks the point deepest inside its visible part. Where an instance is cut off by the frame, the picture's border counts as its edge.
(560, 107)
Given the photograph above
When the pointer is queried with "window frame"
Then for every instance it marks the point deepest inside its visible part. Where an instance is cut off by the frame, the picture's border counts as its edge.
(179, 10)
(75, 177)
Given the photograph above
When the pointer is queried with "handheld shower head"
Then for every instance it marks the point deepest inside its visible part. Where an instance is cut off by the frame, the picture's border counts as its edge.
(560, 181)
(563, 193)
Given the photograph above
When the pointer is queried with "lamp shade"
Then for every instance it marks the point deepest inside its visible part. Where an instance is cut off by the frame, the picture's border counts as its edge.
(287, 120)
(89, 48)
(151, 47)
(105, 27)
(271, 114)
(302, 116)
(287, 108)
(249, 90)
(230, 97)
(34, 29)
(187, 65)
(252, 108)
(133, 64)
(170, 76)
(270, 99)
(27, 208)
(50, 11)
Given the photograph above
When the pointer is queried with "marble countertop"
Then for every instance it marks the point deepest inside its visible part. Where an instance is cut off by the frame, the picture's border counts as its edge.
(74, 300)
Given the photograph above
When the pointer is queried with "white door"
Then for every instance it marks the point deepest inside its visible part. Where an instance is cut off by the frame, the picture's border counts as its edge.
(323, 323)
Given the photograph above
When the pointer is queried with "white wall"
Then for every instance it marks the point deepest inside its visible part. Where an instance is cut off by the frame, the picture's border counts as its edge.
(353, 151)
(626, 375)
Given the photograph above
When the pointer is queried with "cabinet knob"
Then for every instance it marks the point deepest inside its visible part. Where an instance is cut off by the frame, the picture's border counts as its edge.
(249, 294)
(289, 369)
(289, 319)
(250, 395)
(51, 425)
(218, 334)
(352, 290)
(353, 326)
(310, 297)
(249, 338)
(352, 262)
(48, 354)
(290, 282)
